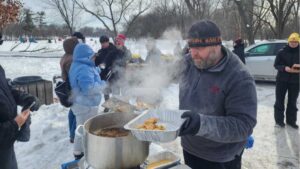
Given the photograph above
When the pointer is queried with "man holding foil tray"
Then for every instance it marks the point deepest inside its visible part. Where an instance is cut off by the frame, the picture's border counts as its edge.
(221, 98)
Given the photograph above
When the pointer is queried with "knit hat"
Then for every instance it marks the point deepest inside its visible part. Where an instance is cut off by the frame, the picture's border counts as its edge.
(79, 35)
(294, 37)
(104, 39)
(204, 33)
(121, 36)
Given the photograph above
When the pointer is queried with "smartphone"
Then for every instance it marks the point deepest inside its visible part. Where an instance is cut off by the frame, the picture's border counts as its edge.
(32, 104)
(296, 67)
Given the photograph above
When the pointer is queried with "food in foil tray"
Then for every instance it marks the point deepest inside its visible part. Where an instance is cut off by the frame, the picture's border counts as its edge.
(151, 124)
(111, 132)
(157, 164)
(117, 105)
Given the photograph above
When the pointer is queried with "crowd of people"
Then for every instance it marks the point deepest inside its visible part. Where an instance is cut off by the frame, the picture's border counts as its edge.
(214, 86)
(90, 75)
(212, 80)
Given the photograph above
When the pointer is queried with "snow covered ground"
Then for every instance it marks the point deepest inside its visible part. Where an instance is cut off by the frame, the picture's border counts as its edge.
(274, 148)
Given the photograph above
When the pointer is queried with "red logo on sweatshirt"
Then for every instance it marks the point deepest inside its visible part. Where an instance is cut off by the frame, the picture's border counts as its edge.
(215, 89)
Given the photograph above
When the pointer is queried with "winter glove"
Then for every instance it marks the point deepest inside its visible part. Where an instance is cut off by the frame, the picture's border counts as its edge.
(191, 125)
(24, 133)
(28, 101)
(250, 142)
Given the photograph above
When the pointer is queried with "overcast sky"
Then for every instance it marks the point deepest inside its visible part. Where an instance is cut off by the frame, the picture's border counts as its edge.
(53, 16)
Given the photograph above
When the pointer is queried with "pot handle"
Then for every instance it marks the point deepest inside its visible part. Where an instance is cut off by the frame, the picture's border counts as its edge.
(78, 131)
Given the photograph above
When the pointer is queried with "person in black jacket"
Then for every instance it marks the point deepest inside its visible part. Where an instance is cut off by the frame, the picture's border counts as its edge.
(111, 61)
(13, 126)
(239, 48)
(106, 57)
(287, 80)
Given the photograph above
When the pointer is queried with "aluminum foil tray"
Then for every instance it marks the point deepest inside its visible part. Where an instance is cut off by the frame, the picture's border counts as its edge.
(171, 119)
(118, 105)
(165, 155)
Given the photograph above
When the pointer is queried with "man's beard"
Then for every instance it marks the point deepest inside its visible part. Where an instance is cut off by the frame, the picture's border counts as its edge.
(209, 62)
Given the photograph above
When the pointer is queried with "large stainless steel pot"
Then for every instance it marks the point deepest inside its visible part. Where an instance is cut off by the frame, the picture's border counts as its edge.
(112, 153)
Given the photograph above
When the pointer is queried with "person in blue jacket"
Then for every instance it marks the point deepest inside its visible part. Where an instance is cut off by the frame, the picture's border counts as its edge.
(86, 87)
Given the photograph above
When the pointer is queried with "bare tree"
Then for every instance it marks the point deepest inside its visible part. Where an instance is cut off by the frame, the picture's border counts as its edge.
(40, 22)
(201, 9)
(245, 9)
(260, 11)
(252, 13)
(15, 30)
(296, 14)
(27, 21)
(139, 9)
(111, 13)
(281, 11)
(40, 19)
(228, 20)
(67, 11)
(182, 12)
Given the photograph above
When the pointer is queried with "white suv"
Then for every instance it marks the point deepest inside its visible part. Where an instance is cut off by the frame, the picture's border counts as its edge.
(260, 59)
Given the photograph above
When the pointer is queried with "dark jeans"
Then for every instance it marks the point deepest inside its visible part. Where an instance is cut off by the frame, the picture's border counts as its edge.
(198, 163)
(72, 124)
(8, 159)
(291, 111)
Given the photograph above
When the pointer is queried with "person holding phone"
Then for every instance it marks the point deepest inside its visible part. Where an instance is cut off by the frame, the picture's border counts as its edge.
(287, 81)
(13, 126)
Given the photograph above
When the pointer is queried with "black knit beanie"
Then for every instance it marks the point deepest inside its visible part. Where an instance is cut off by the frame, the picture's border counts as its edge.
(204, 33)
(103, 39)
(79, 35)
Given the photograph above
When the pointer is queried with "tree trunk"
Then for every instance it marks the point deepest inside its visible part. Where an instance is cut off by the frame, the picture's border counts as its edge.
(71, 30)
(246, 21)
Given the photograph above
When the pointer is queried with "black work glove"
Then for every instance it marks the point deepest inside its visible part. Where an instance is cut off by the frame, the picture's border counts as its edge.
(24, 133)
(28, 100)
(191, 125)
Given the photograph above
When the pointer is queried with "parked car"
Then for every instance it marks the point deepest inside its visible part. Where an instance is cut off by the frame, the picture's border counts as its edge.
(260, 59)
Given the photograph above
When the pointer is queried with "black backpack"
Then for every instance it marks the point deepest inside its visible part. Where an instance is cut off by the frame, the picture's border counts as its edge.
(63, 92)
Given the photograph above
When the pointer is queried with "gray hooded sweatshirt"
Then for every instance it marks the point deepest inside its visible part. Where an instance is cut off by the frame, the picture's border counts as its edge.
(224, 96)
